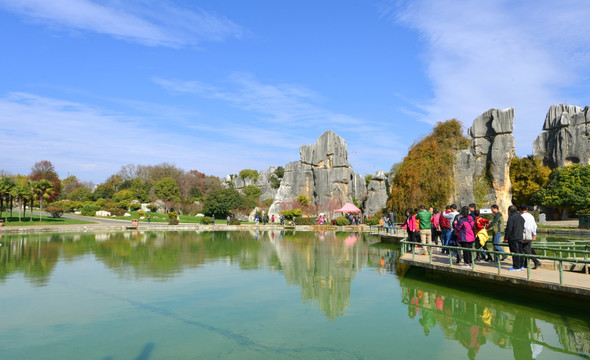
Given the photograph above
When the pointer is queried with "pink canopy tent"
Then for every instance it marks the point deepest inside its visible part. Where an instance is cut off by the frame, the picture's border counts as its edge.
(348, 208)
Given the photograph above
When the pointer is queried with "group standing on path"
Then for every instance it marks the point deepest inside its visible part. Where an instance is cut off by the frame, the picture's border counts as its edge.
(466, 228)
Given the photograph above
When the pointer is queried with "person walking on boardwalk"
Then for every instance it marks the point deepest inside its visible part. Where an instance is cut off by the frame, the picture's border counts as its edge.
(435, 226)
(410, 226)
(424, 217)
(465, 236)
(513, 235)
(530, 234)
(481, 236)
(497, 230)
(445, 228)
(452, 239)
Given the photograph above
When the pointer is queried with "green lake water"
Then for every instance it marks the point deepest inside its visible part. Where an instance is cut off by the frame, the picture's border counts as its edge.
(265, 295)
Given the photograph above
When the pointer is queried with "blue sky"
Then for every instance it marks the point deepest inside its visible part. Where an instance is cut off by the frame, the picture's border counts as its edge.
(220, 86)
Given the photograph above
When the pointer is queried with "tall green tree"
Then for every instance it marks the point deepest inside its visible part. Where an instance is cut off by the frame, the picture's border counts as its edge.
(223, 202)
(22, 193)
(568, 189)
(167, 191)
(6, 187)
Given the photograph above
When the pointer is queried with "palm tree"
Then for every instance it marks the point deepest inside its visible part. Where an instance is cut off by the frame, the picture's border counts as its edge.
(43, 189)
(6, 186)
(22, 193)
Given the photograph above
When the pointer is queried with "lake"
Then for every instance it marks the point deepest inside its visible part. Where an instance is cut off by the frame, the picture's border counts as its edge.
(260, 295)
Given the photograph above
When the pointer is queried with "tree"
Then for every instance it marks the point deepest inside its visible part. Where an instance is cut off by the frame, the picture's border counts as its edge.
(249, 173)
(80, 194)
(44, 170)
(425, 175)
(528, 176)
(252, 192)
(222, 202)
(68, 185)
(43, 190)
(6, 187)
(167, 191)
(22, 193)
(280, 172)
(568, 189)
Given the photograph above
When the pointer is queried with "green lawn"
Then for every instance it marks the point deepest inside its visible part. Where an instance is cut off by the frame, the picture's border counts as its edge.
(45, 220)
(163, 218)
(160, 218)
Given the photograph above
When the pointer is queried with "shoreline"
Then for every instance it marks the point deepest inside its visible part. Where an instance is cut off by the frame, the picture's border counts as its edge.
(179, 227)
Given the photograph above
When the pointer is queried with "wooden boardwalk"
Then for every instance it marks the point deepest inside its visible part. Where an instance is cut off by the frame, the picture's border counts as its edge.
(544, 279)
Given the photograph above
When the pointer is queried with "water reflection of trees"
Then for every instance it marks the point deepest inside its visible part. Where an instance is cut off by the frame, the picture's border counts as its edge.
(322, 264)
(475, 321)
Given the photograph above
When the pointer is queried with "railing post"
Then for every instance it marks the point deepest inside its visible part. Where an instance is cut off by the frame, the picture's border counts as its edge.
(560, 272)
(499, 263)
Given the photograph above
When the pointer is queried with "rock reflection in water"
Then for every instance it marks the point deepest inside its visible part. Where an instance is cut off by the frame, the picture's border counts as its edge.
(323, 264)
(475, 321)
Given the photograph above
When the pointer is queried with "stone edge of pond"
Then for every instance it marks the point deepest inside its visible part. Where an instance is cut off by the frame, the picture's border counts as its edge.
(165, 227)
(564, 231)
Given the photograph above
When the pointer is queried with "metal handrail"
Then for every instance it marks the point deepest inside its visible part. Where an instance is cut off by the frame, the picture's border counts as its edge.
(560, 260)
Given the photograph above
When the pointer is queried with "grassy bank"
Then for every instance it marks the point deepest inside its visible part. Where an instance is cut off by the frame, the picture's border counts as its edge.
(45, 220)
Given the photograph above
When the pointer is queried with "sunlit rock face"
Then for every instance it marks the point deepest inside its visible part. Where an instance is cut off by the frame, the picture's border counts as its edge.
(566, 136)
(376, 193)
(323, 174)
(482, 170)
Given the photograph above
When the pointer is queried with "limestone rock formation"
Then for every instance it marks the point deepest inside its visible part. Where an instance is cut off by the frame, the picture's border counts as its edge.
(376, 193)
(264, 182)
(323, 174)
(566, 136)
(482, 170)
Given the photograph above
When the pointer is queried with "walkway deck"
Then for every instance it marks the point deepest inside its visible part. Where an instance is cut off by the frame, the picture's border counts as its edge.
(541, 280)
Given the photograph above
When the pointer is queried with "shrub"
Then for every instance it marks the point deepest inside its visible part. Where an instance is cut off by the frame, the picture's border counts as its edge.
(134, 206)
(116, 211)
(292, 214)
(173, 221)
(153, 207)
(67, 206)
(140, 213)
(88, 209)
(372, 221)
(342, 221)
(234, 221)
(55, 211)
(304, 221)
(172, 215)
(206, 220)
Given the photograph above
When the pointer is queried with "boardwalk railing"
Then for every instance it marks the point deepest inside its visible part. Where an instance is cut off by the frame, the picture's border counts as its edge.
(407, 246)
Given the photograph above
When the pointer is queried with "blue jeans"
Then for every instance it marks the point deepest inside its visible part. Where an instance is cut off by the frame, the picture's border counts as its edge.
(497, 238)
(445, 237)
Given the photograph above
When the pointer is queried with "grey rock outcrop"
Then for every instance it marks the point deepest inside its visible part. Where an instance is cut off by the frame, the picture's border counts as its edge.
(566, 136)
(376, 193)
(323, 174)
(482, 170)
(264, 182)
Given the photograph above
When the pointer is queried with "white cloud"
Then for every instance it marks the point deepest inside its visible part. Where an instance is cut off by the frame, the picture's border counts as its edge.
(154, 23)
(497, 54)
(286, 104)
(285, 116)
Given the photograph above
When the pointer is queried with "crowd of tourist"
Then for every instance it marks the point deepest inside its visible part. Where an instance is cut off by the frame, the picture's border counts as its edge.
(466, 228)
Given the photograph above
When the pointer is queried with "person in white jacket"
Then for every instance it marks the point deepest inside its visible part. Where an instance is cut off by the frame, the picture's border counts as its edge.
(530, 234)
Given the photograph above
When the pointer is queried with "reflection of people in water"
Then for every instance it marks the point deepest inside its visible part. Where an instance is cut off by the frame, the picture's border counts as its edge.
(520, 337)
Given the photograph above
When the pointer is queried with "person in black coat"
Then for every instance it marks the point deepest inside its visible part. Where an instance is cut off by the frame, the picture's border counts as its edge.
(513, 235)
